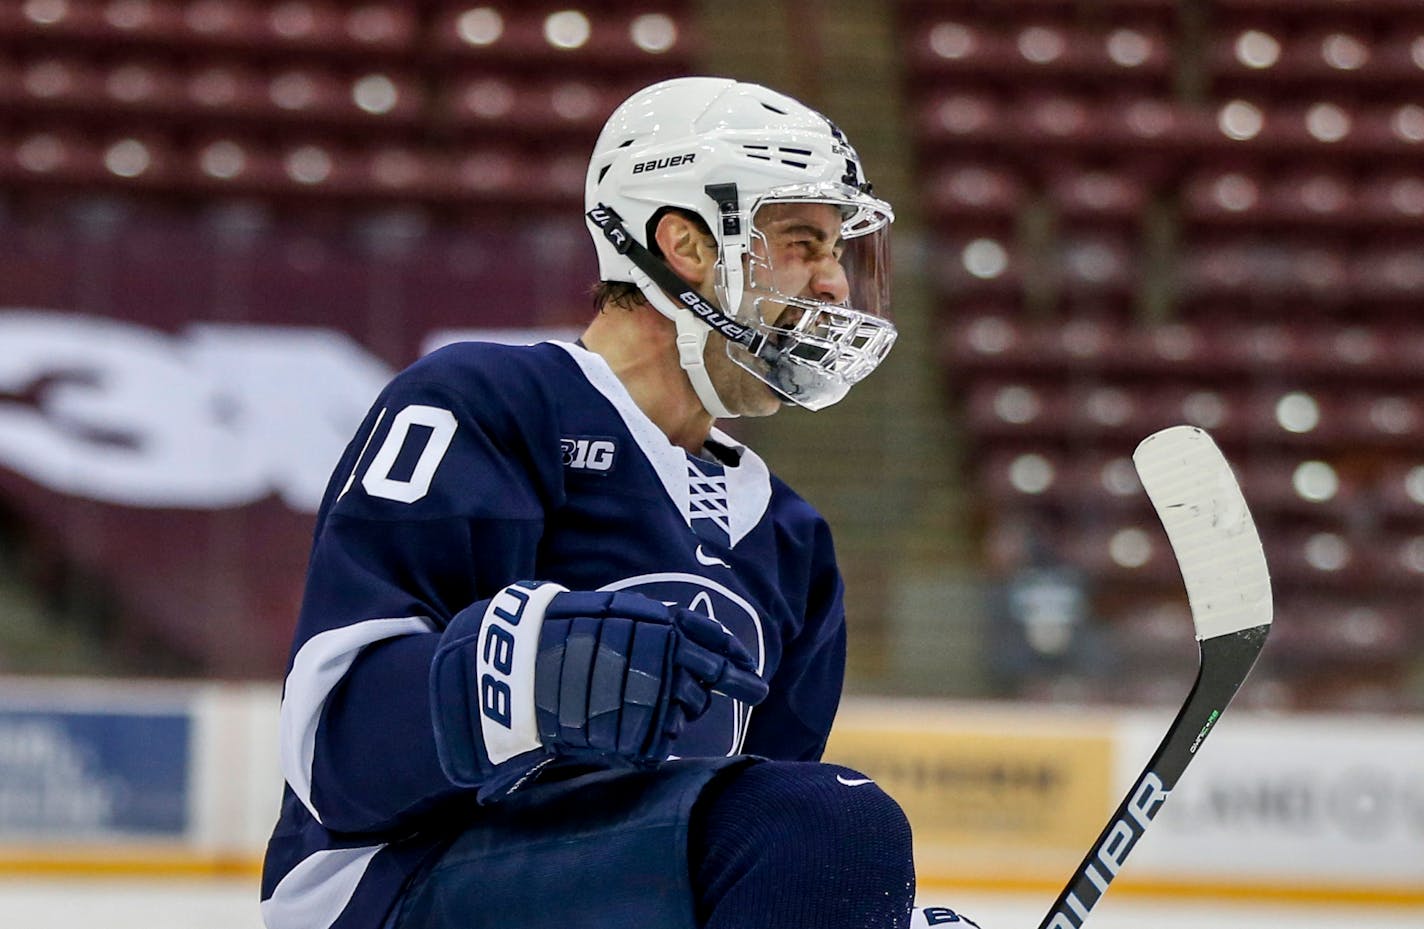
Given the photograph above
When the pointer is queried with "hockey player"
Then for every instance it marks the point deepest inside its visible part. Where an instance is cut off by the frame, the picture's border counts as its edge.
(568, 654)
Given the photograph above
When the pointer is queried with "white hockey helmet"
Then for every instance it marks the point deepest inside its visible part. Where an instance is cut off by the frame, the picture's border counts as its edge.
(725, 150)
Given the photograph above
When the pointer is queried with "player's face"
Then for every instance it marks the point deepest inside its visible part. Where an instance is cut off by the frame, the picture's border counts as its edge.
(797, 254)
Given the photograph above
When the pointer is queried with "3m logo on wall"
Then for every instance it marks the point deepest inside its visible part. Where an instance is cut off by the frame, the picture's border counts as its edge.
(220, 416)
(198, 455)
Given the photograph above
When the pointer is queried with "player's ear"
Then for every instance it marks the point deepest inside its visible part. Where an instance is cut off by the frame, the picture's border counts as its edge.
(686, 246)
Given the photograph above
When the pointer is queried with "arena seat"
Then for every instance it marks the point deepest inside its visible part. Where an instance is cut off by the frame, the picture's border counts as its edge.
(1298, 13)
(1384, 420)
(1392, 200)
(1403, 561)
(130, 161)
(406, 174)
(1258, 348)
(1024, 45)
(496, 174)
(1315, 560)
(1308, 417)
(984, 340)
(227, 89)
(307, 93)
(1253, 222)
(1069, 122)
(1087, 344)
(1264, 274)
(982, 193)
(230, 24)
(305, 25)
(44, 156)
(371, 31)
(1175, 348)
(1121, 552)
(1296, 489)
(90, 21)
(978, 266)
(1094, 273)
(1223, 194)
(1014, 409)
(1097, 197)
(552, 39)
(1155, 626)
(1318, 633)
(319, 166)
(1389, 273)
(1099, 482)
(381, 28)
(1284, 62)
(227, 163)
(1046, 477)
(478, 102)
(962, 118)
(1277, 350)
(1399, 490)
(1310, 195)
(1391, 131)
(1027, 475)
(142, 86)
(322, 95)
(56, 82)
(1118, 414)
(1395, 57)
(962, 50)
(1158, 130)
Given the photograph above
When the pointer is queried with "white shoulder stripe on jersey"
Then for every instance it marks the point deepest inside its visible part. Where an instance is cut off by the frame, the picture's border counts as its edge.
(314, 893)
(318, 667)
(748, 483)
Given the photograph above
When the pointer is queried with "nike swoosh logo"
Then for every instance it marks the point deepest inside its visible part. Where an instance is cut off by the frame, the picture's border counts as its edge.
(709, 560)
(853, 781)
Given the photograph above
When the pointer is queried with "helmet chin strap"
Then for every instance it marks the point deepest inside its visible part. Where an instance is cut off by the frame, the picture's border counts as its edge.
(691, 344)
(693, 314)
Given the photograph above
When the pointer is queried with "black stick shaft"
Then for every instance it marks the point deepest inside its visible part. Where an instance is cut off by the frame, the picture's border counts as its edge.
(1225, 662)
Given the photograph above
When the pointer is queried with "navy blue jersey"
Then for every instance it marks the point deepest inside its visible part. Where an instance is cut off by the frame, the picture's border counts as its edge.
(478, 466)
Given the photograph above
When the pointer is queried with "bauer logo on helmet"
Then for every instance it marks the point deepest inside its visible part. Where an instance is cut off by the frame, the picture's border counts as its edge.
(658, 164)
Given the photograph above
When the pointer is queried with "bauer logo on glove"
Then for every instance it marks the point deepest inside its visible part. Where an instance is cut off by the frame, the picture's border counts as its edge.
(609, 678)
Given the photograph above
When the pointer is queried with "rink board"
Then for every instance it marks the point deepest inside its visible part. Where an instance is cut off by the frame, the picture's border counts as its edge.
(99, 777)
(172, 779)
(1302, 808)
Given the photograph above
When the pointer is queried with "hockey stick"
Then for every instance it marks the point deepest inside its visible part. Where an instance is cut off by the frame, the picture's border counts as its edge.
(1219, 553)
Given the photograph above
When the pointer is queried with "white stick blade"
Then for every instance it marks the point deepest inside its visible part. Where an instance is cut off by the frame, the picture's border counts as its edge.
(1196, 497)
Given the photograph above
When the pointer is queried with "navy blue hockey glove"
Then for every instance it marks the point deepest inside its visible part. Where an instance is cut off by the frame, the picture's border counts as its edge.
(540, 673)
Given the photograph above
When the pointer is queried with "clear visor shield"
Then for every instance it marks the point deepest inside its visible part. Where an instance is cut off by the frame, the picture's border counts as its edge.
(817, 293)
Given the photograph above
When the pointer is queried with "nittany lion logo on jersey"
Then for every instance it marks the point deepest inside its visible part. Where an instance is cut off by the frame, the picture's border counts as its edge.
(723, 728)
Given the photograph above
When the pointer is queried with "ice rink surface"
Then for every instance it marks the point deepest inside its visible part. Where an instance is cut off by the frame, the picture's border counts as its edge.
(193, 904)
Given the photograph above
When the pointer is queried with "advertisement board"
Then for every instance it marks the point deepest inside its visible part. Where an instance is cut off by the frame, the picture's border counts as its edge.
(987, 794)
(1322, 804)
(89, 775)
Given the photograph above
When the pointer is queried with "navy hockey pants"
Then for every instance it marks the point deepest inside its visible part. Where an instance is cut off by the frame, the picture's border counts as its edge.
(611, 851)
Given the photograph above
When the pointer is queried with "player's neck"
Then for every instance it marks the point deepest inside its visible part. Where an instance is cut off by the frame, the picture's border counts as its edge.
(640, 346)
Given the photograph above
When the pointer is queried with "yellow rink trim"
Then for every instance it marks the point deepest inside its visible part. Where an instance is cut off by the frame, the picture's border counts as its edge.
(98, 863)
(1391, 896)
(101, 863)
